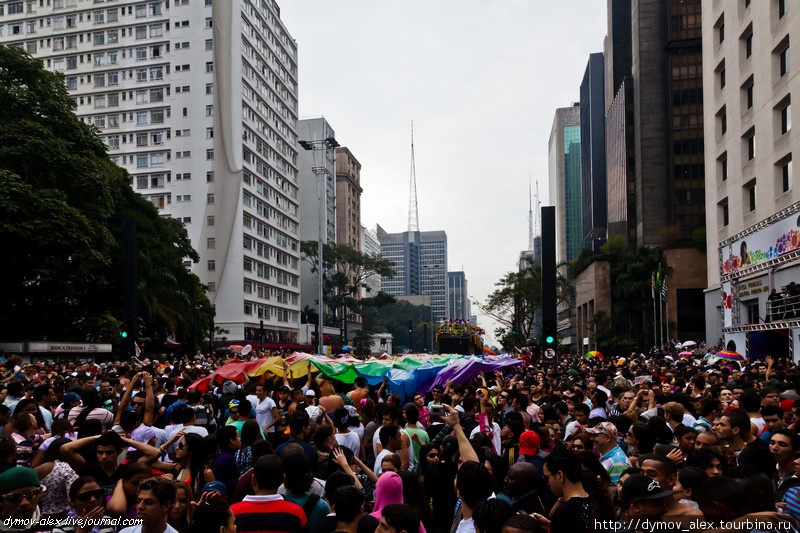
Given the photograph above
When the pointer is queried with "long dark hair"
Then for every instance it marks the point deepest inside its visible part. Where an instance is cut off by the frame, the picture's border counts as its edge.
(91, 401)
(25, 402)
(197, 449)
(414, 495)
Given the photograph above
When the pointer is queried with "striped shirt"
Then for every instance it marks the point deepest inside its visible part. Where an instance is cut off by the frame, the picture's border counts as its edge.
(268, 514)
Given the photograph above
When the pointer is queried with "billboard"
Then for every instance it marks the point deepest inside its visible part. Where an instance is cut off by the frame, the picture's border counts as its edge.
(780, 237)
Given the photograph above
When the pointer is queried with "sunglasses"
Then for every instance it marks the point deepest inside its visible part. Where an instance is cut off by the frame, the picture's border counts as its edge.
(17, 497)
(138, 404)
(433, 455)
(90, 495)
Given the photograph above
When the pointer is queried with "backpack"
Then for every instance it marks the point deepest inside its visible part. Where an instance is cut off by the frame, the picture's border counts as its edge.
(203, 418)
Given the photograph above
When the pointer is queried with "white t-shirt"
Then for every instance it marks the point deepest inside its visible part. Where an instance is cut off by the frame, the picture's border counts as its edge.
(465, 526)
(495, 436)
(376, 439)
(264, 414)
(349, 440)
(47, 416)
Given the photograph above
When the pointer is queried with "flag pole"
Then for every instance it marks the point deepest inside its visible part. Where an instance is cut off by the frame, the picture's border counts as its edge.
(653, 295)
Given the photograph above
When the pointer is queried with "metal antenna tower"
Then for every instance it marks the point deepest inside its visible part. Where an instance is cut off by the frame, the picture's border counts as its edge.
(413, 212)
(530, 216)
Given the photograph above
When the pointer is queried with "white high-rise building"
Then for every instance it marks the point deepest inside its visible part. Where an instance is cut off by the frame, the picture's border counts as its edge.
(370, 245)
(197, 100)
(752, 194)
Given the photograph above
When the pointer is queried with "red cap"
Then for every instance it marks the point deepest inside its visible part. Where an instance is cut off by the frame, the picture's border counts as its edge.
(529, 443)
(786, 405)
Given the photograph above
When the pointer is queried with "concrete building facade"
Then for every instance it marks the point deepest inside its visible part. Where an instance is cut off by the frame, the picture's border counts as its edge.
(458, 304)
(315, 165)
(199, 104)
(752, 192)
(370, 245)
(348, 215)
(419, 261)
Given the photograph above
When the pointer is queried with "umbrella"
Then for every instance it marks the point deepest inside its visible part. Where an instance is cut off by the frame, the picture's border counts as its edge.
(685, 353)
(593, 353)
(729, 356)
(688, 344)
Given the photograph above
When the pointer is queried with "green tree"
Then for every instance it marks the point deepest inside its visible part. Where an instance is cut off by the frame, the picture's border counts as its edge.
(62, 202)
(345, 272)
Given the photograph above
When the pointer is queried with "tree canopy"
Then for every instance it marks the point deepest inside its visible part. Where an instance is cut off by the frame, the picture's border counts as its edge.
(345, 272)
(62, 203)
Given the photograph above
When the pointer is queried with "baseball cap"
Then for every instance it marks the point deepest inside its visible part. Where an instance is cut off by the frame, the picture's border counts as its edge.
(786, 405)
(70, 397)
(529, 443)
(790, 395)
(606, 428)
(216, 486)
(639, 487)
(311, 393)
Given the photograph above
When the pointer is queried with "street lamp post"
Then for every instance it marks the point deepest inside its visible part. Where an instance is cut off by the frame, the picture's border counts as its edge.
(322, 145)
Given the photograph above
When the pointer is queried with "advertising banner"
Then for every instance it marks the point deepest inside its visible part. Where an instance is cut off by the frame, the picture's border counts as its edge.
(770, 242)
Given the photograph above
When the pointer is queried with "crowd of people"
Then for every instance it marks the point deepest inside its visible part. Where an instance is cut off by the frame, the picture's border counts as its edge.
(784, 304)
(578, 445)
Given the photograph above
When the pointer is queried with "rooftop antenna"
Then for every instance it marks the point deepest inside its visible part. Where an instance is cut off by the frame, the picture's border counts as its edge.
(413, 212)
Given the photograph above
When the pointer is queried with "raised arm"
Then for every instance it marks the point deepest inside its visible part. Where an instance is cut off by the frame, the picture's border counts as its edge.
(464, 447)
(126, 399)
(70, 455)
(149, 400)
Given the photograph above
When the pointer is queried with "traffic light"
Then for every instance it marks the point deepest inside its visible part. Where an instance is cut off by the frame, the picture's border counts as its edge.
(123, 334)
(549, 334)
(410, 325)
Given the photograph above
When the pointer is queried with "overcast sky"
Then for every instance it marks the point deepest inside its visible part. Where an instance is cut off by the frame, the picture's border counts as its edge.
(481, 80)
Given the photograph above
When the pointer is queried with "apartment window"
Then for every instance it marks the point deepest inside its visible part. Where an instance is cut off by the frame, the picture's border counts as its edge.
(141, 54)
(112, 15)
(99, 17)
(785, 175)
(157, 116)
(155, 51)
(209, 44)
(210, 66)
(748, 45)
(155, 9)
(142, 118)
(99, 102)
(72, 83)
(157, 138)
(748, 94)
(156, 73)
(209, 88)
(99, 38)
(783, 61)
(210, 243)
(210, 220)
(113, 142)
(99, 80)
(721, 32)
(209, 22)
(722, 78)
(141, 32)
(785, 113)
(210, 198)
(156, 30)
(141, 11)
(141, 160)
(141, 96)
(749, 200)
(211, 265)
(113, 78)
(722, 118)
(157, 94)
(212, 286)
(142, 182)
(209, 110)
(750, 144)
(210, 177)
(210, 154)
(783, 7)
(724, 215)
(209, 133)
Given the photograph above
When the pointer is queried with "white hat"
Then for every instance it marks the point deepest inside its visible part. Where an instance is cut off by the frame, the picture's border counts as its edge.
(310, 392)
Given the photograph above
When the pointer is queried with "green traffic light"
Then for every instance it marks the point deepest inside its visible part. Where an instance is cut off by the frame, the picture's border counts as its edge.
(123, 334)
(549, 339)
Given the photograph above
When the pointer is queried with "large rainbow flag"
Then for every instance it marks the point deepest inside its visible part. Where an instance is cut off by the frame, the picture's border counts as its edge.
(406, 374)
